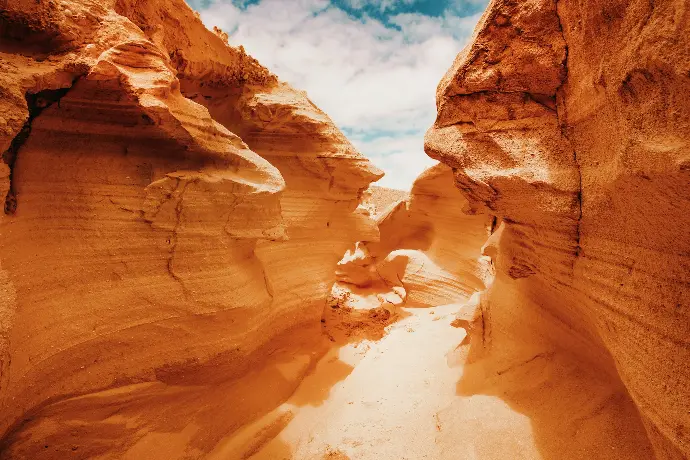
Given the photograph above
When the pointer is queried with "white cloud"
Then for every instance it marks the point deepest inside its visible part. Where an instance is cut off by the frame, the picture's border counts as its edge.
(401, 156)
(375, 81)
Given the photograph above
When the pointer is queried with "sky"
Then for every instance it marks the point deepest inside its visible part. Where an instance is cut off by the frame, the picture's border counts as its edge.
(372, 66)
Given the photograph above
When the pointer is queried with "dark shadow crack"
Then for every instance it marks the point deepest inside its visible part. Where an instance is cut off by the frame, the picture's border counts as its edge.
(36, 103)
(561, 114)
(544, 355)
(180, 189)
(267, 281)
(486, 333)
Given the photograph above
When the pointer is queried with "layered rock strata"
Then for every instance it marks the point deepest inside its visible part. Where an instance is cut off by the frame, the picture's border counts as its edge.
(421, 258)
(569, 123)
(149, 238)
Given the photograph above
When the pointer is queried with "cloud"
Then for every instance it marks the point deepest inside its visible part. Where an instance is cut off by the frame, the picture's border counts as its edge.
(381, 5)
(376, 79)
(400, 156)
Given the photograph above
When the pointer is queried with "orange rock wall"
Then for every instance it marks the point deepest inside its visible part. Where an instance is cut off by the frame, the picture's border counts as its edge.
(569, 122)
(149, 242)
(428, 252)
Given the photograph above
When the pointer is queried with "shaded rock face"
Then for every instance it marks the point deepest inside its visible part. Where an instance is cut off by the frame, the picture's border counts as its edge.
(149, 237)
(569, 123)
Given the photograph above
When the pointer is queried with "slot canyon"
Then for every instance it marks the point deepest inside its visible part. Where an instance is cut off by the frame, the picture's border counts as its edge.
(196, 262)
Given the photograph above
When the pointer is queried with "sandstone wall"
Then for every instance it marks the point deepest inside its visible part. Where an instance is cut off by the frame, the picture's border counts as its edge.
(149, 240)
(428, 254)
(569, 122)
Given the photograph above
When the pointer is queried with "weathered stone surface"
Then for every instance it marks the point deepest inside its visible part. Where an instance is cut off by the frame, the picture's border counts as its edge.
(569, 122)
(428, 253)
(174, 216)
(148, 251)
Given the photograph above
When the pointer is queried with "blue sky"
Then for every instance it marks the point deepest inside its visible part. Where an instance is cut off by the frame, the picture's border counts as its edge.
(383, 9)
(372, 66)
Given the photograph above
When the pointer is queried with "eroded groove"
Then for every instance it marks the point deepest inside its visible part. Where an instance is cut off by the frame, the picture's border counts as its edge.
(561, 113)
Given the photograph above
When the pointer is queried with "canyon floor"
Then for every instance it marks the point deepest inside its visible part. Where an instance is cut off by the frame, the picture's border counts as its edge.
(371, 399)
(409, 396)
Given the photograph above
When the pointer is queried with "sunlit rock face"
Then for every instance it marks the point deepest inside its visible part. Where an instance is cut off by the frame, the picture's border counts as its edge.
(324, 173)
(569, 123)
(157, 241)
(428, 254)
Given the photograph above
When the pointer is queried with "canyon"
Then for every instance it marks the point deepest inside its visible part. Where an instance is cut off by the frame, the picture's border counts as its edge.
(195, 262)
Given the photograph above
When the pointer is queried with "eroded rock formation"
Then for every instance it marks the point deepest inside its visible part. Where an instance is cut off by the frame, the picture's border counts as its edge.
(568, 121)
(428, 222)
(149, 243)
(421, 259)
(174, 216)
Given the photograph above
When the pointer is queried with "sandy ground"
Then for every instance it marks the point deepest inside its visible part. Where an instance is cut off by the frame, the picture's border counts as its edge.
(375, 400)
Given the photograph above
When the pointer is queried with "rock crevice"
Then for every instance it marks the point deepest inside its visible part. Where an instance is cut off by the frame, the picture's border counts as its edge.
(174, 268)
(36, 103)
